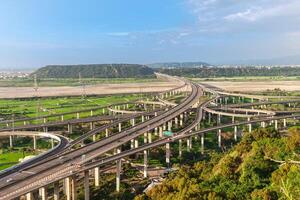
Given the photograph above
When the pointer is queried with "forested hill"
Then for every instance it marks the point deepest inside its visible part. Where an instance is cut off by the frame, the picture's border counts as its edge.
(95, 71)
(207, 72)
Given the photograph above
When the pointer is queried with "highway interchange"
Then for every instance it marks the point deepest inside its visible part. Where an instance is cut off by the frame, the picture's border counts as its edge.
(73, 158)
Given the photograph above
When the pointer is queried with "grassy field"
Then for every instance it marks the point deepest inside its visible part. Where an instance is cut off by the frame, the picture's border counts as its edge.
(28, 82)
(11, 157)
(38, 107)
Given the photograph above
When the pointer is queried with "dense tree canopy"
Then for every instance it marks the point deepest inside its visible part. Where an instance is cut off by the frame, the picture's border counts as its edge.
(95, 71)
(259, 167)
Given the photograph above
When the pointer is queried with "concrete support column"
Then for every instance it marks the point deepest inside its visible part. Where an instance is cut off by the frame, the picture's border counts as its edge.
(149, 137)
(11, 141)
(45, 128)
(56, 190)
(284, 123)
(29, 196)
(145, 138)
(276, 124)
(118, 175)
(232, 120)
(176, 122)
(235, 133)
(70, 128)
(68, 190)
(160, 132)
(74, 187)
(92, 113)
(92, 125)
(188, 144)
(133, 122)
(136, 143)
(181, 120)
(106, 132)
(97, 176)
(132, 144)
(120, 127)
(34, 142)
(62, 118)
(180, 147)
(45, 120)
(44, 194)
(219, 119)
(169, 125)
(263, 124)
(143, 118)
(209, 118)
(145, 163)
(219, 138)
(86, 185)
(77, 115)
(52, 143)
(168, 154)
(250, 126)
(202, 143)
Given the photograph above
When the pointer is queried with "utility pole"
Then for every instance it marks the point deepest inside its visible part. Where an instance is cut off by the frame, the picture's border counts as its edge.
(83, 94)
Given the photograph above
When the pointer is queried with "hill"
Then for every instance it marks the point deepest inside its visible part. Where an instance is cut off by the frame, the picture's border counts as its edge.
(179, 65)
(209, 72)
(95, 71)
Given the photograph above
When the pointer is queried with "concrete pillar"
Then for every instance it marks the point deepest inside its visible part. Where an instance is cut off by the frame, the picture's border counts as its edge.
(62, 118)
(74, 187)
(250, 126)
(77, 115)
(29, 196)
(118, 175)
(202, 143)
(56, 190)
(45, 128)
(209, 118)
(106, 132)
(276, 125)
(132, 144)
(136, 143)
(52, 143)
(11, 141)
(181, 120)
(232, 120)
(168, 154)
(92, 125)
(219, 138)
(97, 176)
(145, 138)
(133, 122)
(68, 189)
(45, 120)
(34, 142)
(235, 133)
(92, 113)
(120, 127)
(70, 128)
(160, 132)
(86, 185)
(263, 124)
(143, 118)
(219, 119)
(284, 123)
(180, 147)
(188, 144)
(44, 195)
(145, 163)
(149, 137)
(169, 125)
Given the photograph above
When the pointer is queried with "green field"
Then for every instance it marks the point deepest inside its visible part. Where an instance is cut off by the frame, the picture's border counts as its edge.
(29, 82)
(11, 157)
(20, 108)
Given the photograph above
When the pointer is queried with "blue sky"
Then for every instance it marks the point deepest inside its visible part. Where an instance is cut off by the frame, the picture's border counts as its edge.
(34, 33)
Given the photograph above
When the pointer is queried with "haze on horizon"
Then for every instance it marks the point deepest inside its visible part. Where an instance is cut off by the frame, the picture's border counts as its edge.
(35, 33)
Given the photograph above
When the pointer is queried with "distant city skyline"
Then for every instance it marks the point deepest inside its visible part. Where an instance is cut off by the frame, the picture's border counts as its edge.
(36, 33)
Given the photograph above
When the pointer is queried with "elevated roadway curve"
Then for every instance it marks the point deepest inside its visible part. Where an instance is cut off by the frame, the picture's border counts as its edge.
(57, 169)
(62, 143)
